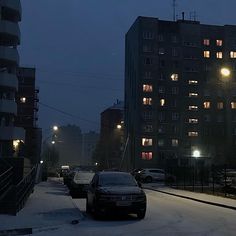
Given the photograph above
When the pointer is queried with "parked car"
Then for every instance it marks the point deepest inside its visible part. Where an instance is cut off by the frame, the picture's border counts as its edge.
(80, 182)
(136, 173)
(153, 174)
(115, 192)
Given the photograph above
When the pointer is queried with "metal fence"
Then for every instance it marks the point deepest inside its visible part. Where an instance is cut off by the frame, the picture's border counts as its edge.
(214, 179)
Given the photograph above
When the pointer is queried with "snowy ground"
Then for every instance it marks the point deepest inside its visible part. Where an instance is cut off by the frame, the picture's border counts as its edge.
(50, 212)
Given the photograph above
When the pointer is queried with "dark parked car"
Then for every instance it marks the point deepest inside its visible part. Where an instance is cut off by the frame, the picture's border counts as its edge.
(115, 192)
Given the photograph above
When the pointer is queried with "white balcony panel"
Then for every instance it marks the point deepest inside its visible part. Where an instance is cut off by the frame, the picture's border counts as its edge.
(14, 5)
(9, 54)
(10, 28)
(8, 106)
(12, 133)
(9, 80)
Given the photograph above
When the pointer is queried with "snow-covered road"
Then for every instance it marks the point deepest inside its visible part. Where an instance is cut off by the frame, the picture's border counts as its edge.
(166, 215)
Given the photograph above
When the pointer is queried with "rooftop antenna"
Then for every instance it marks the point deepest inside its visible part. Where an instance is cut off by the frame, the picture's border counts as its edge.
(174, 9)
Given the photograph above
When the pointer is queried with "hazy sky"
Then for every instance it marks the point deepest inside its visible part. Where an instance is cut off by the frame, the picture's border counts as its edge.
(77, 47)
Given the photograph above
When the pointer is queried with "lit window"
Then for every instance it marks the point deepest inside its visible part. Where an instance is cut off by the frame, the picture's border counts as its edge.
(193, 95)
(160, 142)
(219, 55)
(219, 42)
(193, 108)
(175, 142)
(232, 54)
(193, 134)
(147, 88)
(23, 100)
(193, 121)
(192, 82)
(220, 105)
(206, 105)
(146, 142)
(162, 102)
(147, 156)
(147, 101)
(233, 105)
(206, 42)
(174, 77)
(161, 51)
(206, 54)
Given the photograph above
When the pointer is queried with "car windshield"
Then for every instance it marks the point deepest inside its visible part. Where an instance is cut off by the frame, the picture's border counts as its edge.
(117, 179)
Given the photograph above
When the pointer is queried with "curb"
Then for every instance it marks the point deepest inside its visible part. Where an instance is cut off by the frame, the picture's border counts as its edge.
(194, 199)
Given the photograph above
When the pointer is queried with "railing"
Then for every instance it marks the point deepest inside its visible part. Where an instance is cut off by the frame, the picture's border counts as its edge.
(14, 200)
(22, 191)
(6, 181)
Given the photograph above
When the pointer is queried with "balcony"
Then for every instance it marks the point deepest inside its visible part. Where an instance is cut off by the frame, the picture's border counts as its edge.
(9, 55)
(8, 80)
(9, 32)
(13, 6)
(8, 106)
(12, 133)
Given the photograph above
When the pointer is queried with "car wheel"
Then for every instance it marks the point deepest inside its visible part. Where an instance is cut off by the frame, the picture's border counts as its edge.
(141, 214)
(148, 179)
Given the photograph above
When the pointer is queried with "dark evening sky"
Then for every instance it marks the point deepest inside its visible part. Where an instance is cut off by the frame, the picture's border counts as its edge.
(77, 47)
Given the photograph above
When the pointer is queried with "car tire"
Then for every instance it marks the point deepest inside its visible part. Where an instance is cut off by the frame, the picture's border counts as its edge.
(141, 214)
(148, 179)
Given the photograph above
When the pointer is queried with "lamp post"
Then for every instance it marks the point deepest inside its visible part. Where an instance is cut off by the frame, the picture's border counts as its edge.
(195, 155)
(225, 78)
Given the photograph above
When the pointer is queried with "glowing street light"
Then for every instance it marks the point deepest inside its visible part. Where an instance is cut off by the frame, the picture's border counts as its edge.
(225, 72)
(196, 153)
(55, 128)
(119, 126)
(53, 142)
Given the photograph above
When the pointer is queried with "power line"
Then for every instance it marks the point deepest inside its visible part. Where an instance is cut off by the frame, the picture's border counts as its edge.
(67, 113)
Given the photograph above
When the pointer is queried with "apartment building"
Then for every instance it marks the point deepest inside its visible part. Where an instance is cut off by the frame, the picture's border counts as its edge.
(27, 112)
(10, 15)
(180, 93)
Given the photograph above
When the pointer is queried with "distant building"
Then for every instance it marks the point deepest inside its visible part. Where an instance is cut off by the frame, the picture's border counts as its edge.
(10, 134)
(68, 142)
(89, 142)
(177, 100)
(110, 141)
(27, 113)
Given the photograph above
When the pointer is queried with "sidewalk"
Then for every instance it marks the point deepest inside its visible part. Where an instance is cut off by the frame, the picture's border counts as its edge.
(49, 206)
(200, 197)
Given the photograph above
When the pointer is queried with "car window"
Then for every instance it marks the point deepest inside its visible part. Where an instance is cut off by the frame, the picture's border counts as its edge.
(114, 179)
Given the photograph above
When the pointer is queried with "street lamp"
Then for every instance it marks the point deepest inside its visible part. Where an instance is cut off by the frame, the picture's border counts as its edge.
(55, 128)
(196, 153)
(225, 72)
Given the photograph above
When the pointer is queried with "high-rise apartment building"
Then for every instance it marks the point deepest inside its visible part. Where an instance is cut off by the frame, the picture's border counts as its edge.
(27, 113)
(180, 92)
(10, 15)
